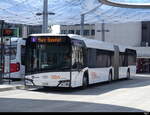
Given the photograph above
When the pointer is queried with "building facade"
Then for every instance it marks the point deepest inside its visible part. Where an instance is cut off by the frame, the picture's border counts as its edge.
(124, 34)
(89, 30)
(135, 34)
(143, 61)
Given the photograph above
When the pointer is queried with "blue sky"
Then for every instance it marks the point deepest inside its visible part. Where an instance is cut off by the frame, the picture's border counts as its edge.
(69, 11)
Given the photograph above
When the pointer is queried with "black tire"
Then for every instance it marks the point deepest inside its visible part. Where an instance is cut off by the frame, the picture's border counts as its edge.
(128, 75)
(46, 87)
(85, 82)
(110, 76)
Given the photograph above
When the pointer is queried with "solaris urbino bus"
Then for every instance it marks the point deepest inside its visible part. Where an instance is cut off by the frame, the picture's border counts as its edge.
(74, 61)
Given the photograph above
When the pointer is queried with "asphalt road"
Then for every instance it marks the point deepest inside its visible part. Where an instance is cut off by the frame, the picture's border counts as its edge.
(121, 96)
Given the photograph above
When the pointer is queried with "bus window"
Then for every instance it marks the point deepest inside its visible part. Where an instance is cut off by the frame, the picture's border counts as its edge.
(48, 57)
(131, 57)
(77, 57)
(123, 61)
(53, 57)
(131, 60)
(103, 58)
(91, 58)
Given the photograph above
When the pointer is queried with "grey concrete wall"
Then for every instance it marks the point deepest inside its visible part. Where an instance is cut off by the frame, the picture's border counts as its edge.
(125, 34)
(143, 52)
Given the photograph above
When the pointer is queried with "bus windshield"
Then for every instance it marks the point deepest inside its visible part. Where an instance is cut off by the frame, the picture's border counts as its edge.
(44, 57)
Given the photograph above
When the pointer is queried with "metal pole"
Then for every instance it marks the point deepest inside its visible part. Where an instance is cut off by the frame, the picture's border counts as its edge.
(17, 29)
(24, 31)
(83, 16)
(2, 52)
(82, 25)
(10, 61)
(103, 31)
(45, 17)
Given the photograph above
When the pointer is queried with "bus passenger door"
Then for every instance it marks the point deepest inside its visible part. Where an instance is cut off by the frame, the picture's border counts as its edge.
(22, 64)
(77, 66)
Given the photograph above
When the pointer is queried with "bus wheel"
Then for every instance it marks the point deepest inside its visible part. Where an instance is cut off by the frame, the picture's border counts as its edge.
(85, 82)
(46, 87)
(128, 74)
(110, 76)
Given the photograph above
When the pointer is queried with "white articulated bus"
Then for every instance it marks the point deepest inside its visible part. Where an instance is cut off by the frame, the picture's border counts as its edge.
(14, 58)
(74, 61)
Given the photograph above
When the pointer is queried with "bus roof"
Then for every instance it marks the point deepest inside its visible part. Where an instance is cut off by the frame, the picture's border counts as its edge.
(90, 43)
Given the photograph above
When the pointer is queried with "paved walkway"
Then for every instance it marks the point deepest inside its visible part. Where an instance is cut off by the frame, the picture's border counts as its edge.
(121, 96)
(12, 86)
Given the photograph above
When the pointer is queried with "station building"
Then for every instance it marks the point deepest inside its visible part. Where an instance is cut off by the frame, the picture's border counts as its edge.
(135, 34)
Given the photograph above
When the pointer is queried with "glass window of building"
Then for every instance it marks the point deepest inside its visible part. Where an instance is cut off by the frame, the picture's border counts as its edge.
(71, 31)
(86, 32)
(78, 32)
(93, 32)
(63, 31)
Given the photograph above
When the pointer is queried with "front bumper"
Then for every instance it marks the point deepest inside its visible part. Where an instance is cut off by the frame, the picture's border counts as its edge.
(61, 83)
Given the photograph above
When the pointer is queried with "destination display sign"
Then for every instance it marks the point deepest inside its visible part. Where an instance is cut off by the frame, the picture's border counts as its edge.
(8, 32)
(47, 39)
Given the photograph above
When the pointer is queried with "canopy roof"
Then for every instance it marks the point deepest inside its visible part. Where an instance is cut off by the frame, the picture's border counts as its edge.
(69, 12)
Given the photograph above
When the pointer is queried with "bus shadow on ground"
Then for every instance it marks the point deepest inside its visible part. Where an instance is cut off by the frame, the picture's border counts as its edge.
(34, 105)
(100, 88)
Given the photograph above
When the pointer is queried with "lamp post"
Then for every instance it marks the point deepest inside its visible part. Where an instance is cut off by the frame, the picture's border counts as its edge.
(103, 30)
(45, 16)
(83, 18)
(82, 24)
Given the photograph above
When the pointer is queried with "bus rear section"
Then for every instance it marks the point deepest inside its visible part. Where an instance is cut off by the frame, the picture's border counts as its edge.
(132, 56)
(14, 53)
(124, 62)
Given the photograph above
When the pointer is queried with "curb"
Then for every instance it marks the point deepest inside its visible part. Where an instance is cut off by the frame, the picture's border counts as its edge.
(7, 88)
